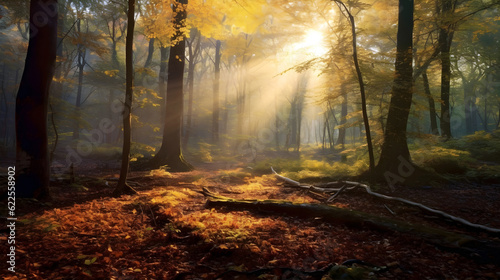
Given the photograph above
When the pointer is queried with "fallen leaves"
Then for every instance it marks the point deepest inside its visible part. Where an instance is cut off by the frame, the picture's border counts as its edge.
(166, 231)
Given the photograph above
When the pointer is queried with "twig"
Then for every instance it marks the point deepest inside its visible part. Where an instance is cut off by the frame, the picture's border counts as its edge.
(389, 209)
(337, 193)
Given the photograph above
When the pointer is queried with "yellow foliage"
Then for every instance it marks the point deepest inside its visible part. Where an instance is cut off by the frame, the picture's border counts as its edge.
(161, 173)
(111, 73)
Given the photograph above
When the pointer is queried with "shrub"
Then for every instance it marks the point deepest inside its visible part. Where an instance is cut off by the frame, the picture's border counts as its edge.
(481, 145)
(312, 169)
(442, 160)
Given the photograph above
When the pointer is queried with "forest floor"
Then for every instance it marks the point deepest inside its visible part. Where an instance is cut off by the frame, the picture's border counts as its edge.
(165, 232)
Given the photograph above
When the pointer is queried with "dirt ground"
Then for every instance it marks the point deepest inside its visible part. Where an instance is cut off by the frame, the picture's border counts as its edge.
(166, 232)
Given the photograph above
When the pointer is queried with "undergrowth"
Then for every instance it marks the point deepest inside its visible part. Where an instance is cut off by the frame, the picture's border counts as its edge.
(474, 157)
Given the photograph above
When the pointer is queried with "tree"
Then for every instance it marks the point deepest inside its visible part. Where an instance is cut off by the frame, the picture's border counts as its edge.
(194, 51)
(216, 92)
(432, 106)
(446, 31)
(32, 157)
(82, 53)
(361, 84)
(170, 152)
(127, 108)
(395, 148)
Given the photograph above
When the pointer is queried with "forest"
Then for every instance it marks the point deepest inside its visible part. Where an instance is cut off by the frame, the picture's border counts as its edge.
(250, 139)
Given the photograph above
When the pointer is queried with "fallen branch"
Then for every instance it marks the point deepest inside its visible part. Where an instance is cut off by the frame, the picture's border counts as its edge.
(461, 243)
(351, 185)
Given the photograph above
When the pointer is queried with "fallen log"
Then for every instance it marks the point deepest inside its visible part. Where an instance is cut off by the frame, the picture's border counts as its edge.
(482, 251)
(351, 185)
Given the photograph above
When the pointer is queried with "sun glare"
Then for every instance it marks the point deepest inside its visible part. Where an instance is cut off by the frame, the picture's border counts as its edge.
(312, 43)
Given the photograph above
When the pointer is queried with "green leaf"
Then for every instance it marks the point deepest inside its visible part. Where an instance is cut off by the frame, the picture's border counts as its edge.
(90, 261)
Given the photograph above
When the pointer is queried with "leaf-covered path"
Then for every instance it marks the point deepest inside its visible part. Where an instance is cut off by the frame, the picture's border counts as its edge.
(167, 233)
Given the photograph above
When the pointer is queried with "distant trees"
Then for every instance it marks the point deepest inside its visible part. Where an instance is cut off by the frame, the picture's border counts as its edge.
(32, 161)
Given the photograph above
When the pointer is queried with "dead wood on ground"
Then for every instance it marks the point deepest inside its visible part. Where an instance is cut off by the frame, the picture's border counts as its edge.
(483, 251)
(335, 188)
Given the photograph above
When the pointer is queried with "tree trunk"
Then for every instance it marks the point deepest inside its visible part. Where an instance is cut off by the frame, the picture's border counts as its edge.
(343, 116)
(162, 78)
(170, 153)
(81, 66)
(432, 106)
(193, 53)
(151, 50)
(444, 43)
(57, 86)
(122, 186)
(32, 162)
(362, 92)
(395, 148)
(485, 117)
(216, 88)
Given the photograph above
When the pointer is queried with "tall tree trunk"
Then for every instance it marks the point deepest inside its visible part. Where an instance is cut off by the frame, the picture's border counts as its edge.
(170, 153)
(432, 106)
(469, 105)
(300, 107)
(162, 79)
(361, 84)
(193, 53)
(81, 66)
(485, 117)
(362, 91)
(114, 53)
(240, 105)
(151, 50)
(57, 87)
(395, 148)
(32, 162)
(444, 43)
(292, 123)
(5, 132)
(343, 116)
(216, 92)
(122, 186)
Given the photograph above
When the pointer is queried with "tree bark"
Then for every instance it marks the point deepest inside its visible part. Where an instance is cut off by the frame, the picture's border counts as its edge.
(122, 186)
(362, 92)
(170, 153)
(395, 148)
(432, 106)
(216, 93)
(162, 78)
(343, 116)
(444, 44)
(151, 50)
(32, 157)
(81, 66)
(193, 54)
